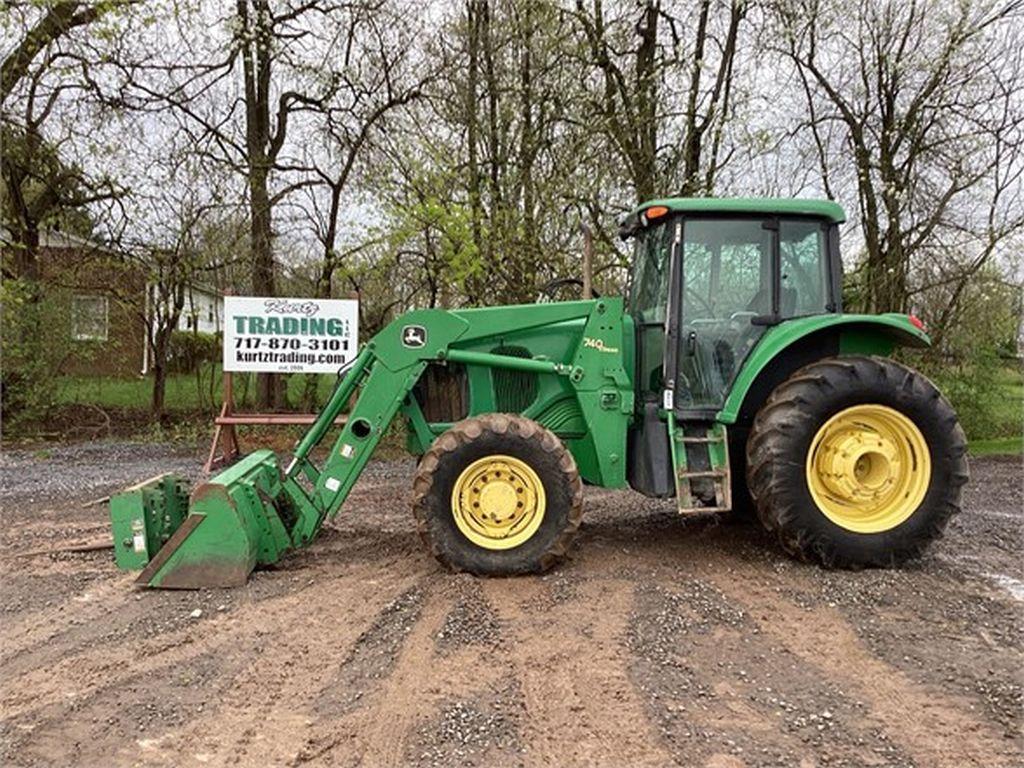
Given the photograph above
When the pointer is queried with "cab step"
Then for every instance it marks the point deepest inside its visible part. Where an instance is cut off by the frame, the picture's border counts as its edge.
(704, 446)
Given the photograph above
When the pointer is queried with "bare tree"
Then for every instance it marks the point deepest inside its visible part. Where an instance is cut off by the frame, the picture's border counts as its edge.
(238, 98)
(50, 62)
(667, 140)
(475, 176)
(927, 103)
(376, 76)
(169, 247)
(55, 22)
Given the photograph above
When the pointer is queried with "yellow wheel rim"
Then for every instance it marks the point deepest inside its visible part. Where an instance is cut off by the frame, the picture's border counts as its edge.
(868, 468)
(498, 502)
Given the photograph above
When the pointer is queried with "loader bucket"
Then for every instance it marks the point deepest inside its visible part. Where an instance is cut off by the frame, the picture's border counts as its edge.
(234, 522)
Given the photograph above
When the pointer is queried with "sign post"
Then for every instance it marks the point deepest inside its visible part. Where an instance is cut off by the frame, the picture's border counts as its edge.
(279, 335)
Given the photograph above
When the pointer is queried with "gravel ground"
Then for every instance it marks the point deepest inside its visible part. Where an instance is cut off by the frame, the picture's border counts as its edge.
(663, 641)
(63, 472)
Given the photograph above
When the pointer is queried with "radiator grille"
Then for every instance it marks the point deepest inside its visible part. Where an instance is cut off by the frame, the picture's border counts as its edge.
(514, 391)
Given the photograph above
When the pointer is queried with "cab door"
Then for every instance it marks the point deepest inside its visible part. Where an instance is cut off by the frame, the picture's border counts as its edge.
(649, 468)
(726, 300)
(738, 276)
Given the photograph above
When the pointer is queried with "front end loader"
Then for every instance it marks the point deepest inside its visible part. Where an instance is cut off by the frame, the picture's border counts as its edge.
(731, 380)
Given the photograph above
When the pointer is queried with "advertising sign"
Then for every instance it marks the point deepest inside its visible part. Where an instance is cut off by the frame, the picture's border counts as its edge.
(275, 335)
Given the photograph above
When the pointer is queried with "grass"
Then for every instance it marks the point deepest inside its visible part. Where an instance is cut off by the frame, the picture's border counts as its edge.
(1009, 407)
(182, 394)
(1008, 412)
(1001, 446)
(130, 394)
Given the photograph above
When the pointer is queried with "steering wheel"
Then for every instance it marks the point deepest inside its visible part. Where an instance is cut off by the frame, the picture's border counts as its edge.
(549, 291)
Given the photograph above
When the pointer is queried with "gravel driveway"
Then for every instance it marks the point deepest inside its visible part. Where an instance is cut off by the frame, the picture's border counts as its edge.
(664, 641)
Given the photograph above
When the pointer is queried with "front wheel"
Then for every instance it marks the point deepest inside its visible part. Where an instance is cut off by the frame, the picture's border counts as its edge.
(856, 461)
(498, 495)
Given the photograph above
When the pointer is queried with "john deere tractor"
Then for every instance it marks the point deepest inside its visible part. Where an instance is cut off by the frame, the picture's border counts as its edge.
(730, 378)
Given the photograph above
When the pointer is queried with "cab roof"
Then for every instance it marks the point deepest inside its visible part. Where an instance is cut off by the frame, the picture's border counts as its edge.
(767, 206)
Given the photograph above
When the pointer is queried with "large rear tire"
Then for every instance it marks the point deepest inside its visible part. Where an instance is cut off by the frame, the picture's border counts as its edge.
(498, 495)
(856, 461)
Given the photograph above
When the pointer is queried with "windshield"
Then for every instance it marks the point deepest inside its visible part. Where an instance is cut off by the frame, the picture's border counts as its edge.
(649, 282)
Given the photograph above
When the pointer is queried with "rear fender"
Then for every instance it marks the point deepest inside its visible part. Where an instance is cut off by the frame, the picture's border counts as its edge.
(794, 343)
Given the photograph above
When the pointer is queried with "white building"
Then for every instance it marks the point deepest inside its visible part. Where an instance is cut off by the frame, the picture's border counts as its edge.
(203, 310)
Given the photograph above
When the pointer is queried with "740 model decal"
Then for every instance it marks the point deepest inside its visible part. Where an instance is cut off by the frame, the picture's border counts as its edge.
(598, 344)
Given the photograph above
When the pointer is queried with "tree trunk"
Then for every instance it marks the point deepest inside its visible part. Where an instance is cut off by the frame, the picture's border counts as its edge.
(645, 169)
(159, 390)
(157, 403)
(472, 126)
(169, 297)
(17, 172)
(692, 141)
(269, 392)
(260, 234)
(257, 59)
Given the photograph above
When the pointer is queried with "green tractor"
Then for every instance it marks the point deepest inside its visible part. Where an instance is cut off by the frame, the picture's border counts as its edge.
(729, 379)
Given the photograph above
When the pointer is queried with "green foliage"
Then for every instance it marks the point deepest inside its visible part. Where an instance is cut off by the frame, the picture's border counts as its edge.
(188, 350)
(1002, 446)
(175, 431)
(36, 341)
(446, 228)
(971, 361)
(855, 288)
(51, 190)
(988, 396)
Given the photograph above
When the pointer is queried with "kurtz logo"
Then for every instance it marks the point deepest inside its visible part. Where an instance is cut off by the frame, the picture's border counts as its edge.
(414, 336)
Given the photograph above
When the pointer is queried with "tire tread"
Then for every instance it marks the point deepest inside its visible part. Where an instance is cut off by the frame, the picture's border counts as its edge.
(780, 417)
(471, 429)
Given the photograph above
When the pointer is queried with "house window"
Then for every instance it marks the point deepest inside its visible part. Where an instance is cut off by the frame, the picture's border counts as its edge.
(89, 318)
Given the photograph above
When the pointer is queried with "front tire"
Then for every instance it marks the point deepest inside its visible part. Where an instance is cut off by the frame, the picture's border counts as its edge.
(856, 461)
(498, 495)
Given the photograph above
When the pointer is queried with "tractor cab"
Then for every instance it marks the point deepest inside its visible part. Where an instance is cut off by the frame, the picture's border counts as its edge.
(709, 278)
(715, 280)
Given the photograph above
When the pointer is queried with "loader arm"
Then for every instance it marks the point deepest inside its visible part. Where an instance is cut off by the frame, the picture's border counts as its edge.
(385, 372)
(252, 513)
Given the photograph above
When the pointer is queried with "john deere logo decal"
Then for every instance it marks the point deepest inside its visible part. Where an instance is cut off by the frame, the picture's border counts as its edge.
(414, 336)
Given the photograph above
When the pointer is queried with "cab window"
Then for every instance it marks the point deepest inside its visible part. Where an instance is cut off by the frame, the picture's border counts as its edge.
(803, 258)
(649, 285)
(727, 269)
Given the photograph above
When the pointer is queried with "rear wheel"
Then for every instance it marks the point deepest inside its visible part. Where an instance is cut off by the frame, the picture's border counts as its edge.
(856, 461)
(498, 495)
